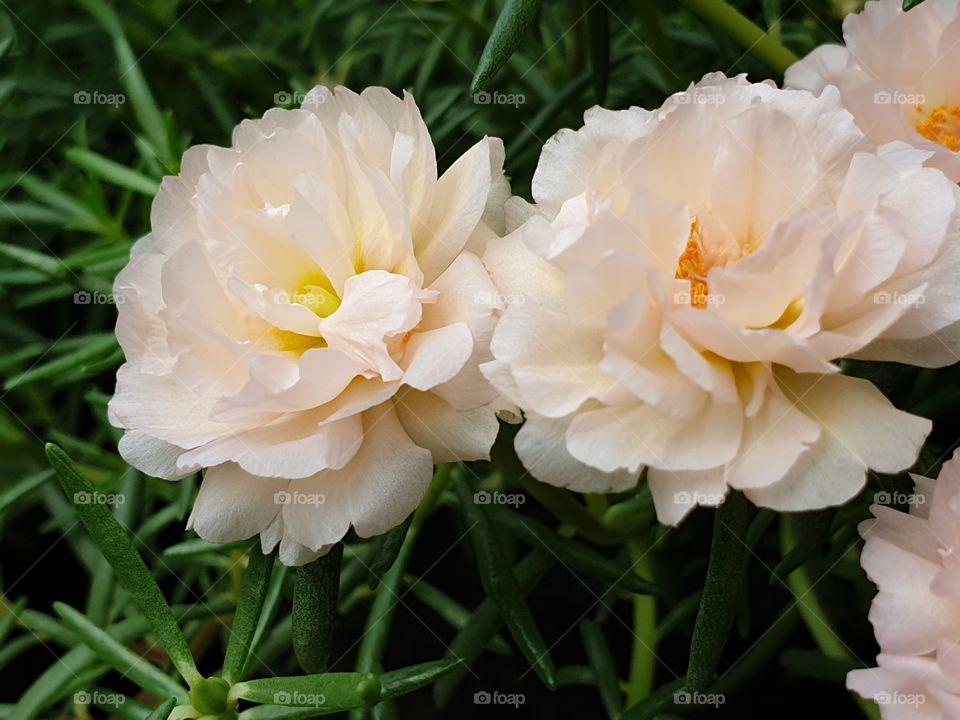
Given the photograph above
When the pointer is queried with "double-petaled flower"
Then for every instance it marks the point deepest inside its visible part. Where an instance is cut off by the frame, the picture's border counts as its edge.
(306, 320)
(688, 278)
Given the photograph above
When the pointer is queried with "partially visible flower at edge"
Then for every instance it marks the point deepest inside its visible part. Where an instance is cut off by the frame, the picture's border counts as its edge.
(912, 558)
(897, 74)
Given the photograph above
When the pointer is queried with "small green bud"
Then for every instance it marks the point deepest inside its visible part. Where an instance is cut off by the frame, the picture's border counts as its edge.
(368, 690)
(209, 696)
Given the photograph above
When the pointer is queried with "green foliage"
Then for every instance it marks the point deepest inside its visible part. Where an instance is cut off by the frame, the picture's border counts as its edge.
(98, 101)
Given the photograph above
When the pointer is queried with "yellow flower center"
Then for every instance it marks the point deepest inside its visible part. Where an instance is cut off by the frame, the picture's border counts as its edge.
(941, 125)
(692, 266)
(317, 294)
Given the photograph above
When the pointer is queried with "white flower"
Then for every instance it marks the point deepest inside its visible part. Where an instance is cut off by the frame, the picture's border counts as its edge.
(306, 320)
(686, 280)
(897, 74)
(916, 613)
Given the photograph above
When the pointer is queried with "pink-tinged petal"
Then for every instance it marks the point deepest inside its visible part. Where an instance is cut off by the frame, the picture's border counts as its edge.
(520, 275)
(861, 430)
(164, 405)
(615, 438)
(151, 456)
(280, 385)
(820, 68)
(676, 493)
(450, 434)
(434, 357)
(233, 504)
(458, 204)
(375, 492)
(377, 308)
(293, 446)
(773, 439)
(555, 364)
(465, 293)
(541, 446)
(319, 223)
(907, 617)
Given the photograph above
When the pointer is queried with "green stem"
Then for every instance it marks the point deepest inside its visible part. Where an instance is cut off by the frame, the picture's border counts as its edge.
(726, 574)
(751, 36)
(643, 656)
(811, 610)
(562, 504)
(387, 598)
(660, 46)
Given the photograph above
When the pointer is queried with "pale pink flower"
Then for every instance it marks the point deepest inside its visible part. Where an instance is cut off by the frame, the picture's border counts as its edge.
(897, 74)
(681, 290)
(913, 559)
(306, 320)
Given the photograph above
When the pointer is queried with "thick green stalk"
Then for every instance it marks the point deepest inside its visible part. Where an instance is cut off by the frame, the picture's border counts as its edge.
(802, 585)
(752, 37)
(387, 598)
(726, 574)
(643, 661)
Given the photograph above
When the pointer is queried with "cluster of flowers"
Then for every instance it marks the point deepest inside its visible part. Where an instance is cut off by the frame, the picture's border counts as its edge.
(317, 313)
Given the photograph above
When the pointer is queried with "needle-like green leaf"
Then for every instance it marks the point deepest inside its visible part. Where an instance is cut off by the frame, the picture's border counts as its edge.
(406, 680)
(514, 20)
(254, 592)
(128, 68)
(163, 710)
(131, 571)
(500, 584)
(469, 643)
(327, 692)
(113, 172)
(385, 553)
(601, 660)
(570, 552)
(147, 676)
(718, 604)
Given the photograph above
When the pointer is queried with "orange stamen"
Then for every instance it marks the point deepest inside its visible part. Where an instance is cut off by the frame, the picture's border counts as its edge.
(691, 266)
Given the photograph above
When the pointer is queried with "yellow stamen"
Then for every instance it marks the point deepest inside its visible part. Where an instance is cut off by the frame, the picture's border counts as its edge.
(691, 266)
(942, 126)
